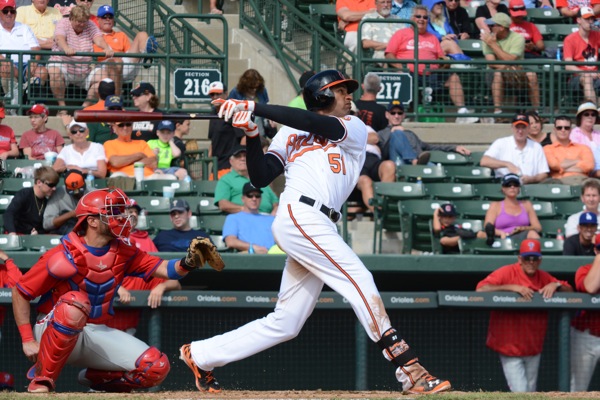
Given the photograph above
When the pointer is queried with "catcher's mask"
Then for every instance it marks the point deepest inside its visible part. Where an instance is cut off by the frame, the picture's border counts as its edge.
(109, 205)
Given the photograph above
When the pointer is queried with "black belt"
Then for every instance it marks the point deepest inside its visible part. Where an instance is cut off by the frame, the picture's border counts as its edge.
(330, 212)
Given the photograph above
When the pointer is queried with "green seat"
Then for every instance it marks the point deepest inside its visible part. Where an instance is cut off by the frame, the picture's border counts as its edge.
(490, 191)
(543, 209)
(550, 192)
(550, 227)
(11, 243)
(552, 246)
(204, 188)
(450, 191)
(475, 157)
(153, 204)
(448, 158)
(326, 17)
(219, 241)
(5, 200)
(473, 224)
(36, 242)
(469, 174)
(472, 208)
(212, 224)
(472, 47)
(560, 31)
(565, 208)
(479, 246)
(100, 183)
(154, 187)
(159, 222)
(427, 173)
(12, 163)
(386, 214)
(206, 205)
(13, 185)
(545, 16)
(415, 217)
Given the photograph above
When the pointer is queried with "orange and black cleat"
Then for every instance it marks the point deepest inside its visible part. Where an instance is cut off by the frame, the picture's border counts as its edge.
(205, 381)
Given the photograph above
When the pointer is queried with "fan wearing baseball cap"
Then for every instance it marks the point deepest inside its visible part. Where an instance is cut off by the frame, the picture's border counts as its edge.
(518, 336)
(534, 42)
(59, 216)
(585, 326)
(582, 46)
(8, 142)
(582, 244)
(38, 141)
(517, 154)
(444, 225)
(166, 150)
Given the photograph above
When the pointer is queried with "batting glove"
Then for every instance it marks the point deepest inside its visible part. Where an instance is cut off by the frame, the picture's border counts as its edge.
(244, 121)
(230, 107)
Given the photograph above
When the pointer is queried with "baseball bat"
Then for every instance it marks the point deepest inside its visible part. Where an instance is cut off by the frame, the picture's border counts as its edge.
(134, 116)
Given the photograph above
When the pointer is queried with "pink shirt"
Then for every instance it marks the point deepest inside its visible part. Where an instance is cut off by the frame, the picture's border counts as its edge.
(402, 46)
(41, 143)
(7, 138)
(80, 42)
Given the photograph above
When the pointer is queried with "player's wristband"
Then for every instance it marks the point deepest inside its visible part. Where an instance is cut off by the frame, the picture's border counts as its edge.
(26, 333)
(183, 265)
(172, 271)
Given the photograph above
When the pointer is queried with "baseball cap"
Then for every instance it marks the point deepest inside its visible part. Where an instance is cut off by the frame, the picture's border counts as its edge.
(520, 119)
(134, 204)
(106, 88)
(395, 104)
(586, 12)
(2, 112)
(113, 102)
(215, 87)
(447, 210)
(530, 247)
(179, 205)
(39, 109)
(306, 75)
(103, 10)
(249, 188)
(499, 19)
(597, 241)
(75, 123)
(517, 8)
(7, 381)
(74, 182)
(143, 87)
(166, 124)
(7, 3)
(238, 150)
(511, 178)
(588, 218)
(587, 106)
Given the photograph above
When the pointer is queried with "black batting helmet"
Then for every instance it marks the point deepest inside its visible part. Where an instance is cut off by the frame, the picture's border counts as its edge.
(317, 91)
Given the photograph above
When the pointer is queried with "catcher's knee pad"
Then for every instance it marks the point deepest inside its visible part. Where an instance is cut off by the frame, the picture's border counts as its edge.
(69, 316)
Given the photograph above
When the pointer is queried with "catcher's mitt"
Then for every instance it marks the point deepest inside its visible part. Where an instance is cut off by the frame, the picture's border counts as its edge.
(201, 251)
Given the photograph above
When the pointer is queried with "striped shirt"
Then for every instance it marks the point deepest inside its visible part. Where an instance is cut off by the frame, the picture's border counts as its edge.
(80, 42)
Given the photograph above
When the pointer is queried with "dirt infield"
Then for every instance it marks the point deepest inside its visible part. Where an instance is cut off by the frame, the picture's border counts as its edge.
(298, 395)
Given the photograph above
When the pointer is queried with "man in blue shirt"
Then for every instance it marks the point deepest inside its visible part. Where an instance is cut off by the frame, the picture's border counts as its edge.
(178, 238)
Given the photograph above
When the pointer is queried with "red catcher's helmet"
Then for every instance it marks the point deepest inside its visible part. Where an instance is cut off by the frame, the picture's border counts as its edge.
(110, 205)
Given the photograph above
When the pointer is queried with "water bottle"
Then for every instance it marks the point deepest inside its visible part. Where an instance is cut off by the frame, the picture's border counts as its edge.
(559, 234)
(187, 178)
(419, 181)
(509, 242)
(398, 162)
(43, 249)
(559, 52)
(251, 249)
(89, 181)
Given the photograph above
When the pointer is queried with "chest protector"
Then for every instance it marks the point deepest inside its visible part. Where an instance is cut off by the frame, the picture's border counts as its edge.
(97, 276)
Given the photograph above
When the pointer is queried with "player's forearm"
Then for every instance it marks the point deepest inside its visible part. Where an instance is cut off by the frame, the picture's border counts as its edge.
(21, 310)
(262, 168)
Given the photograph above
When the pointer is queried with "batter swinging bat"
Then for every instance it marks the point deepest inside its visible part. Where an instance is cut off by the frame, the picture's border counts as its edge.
(133, 116)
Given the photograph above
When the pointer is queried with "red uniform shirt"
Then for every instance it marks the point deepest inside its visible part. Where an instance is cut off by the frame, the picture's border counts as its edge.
(402, 46)
(9, 275)
(517, 333)
(7, 138)
(575, 48)
(585, 319)
(130, 317)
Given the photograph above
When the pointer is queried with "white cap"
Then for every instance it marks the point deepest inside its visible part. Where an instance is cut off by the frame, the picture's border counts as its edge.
(215, 87)
(75, 123)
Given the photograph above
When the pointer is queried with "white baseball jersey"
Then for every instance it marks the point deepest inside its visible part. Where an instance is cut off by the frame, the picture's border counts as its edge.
(322, 169)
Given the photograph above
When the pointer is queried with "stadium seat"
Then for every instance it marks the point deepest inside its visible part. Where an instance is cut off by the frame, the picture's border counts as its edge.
(469, 174)
(552, 246)
(479, 246)
(326, 17)
(159, 222)
(450, 191)
(385, 202)
(560, 31)
(36, 242)
(550, 192)
(543, 209)
(11, 243)
(204, 188)
(12, 163)
(475, 157)
(545, 16)
(550, 227)
(13, 185)
(5, 200)
(472, 47)
(415, 217)
(100, 183)
(473, 224)
(219, 242)
(153, 204)
(472, 208)
(564, 209)
(212, 224)
(206, 205)
(427, 173)
(154, 187)
(448, 158)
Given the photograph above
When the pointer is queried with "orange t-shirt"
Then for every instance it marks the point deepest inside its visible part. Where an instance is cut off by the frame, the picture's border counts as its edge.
(354, 5)
(118, 41)
(116, 147)
(97, 106)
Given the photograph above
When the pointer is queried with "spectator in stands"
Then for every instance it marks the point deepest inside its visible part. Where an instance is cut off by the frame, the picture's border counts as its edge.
(63, 6)
(585, 331)
(42, 20)
(298, 101)
(511, 216)
(100, 132)
(59, 215)
(403, 145)
(123, 152)
(584, 133)
(17, 36)
(106, 87)
(8, 141)
(504, 45)
(459, 19)
(439, 26)
(103, 131)
(72, 35)
(81, 155)
(251, 86)
(534, 42)
(590, 197)
(25, 213)
(178, 238)
(536, 129)
(228, 192)
(376, 36)
(487, 11)
(349, 13)
(518, 336)
(182, 128)
(403, 9)
(401, 47)
(216, 6)
(141, 239)
(9, 275)
(369, 111)
(582, 46)
(583, 243)
(517, 154)
(88, 4)
(41, 139)
(445, 227)
(224, 138)
(166, 151)
(248, 230)
(570, 163)
(146, 100)
(572, 8)
(127, 68)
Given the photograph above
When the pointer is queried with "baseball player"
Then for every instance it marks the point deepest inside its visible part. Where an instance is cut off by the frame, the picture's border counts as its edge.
(78, 281)
(321, 152)
(9, 275)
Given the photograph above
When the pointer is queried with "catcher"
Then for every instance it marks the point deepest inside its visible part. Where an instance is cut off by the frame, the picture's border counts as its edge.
(78, 281)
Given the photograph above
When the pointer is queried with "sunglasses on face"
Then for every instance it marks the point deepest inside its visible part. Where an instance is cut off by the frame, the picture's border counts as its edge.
(396, 112)
(511, 185)
(563, 128)
(590, 114)
(531, 258)
(50, 184)
(76, 131)
(108, 16)
(87, 1)
(254, 196)
(452, 1)
(421, 16)
(9, 11)
(122, 124)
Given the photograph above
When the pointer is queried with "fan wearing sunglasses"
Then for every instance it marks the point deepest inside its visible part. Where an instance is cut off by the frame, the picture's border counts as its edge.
(81, 155)
(570, 163)
(585, 133)
(25, 213)
(59, 216)
(42, 20)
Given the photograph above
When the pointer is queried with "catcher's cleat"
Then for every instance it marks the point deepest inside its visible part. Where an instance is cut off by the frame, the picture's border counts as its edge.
(41, 384)
(205, 381)
(428, 384)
